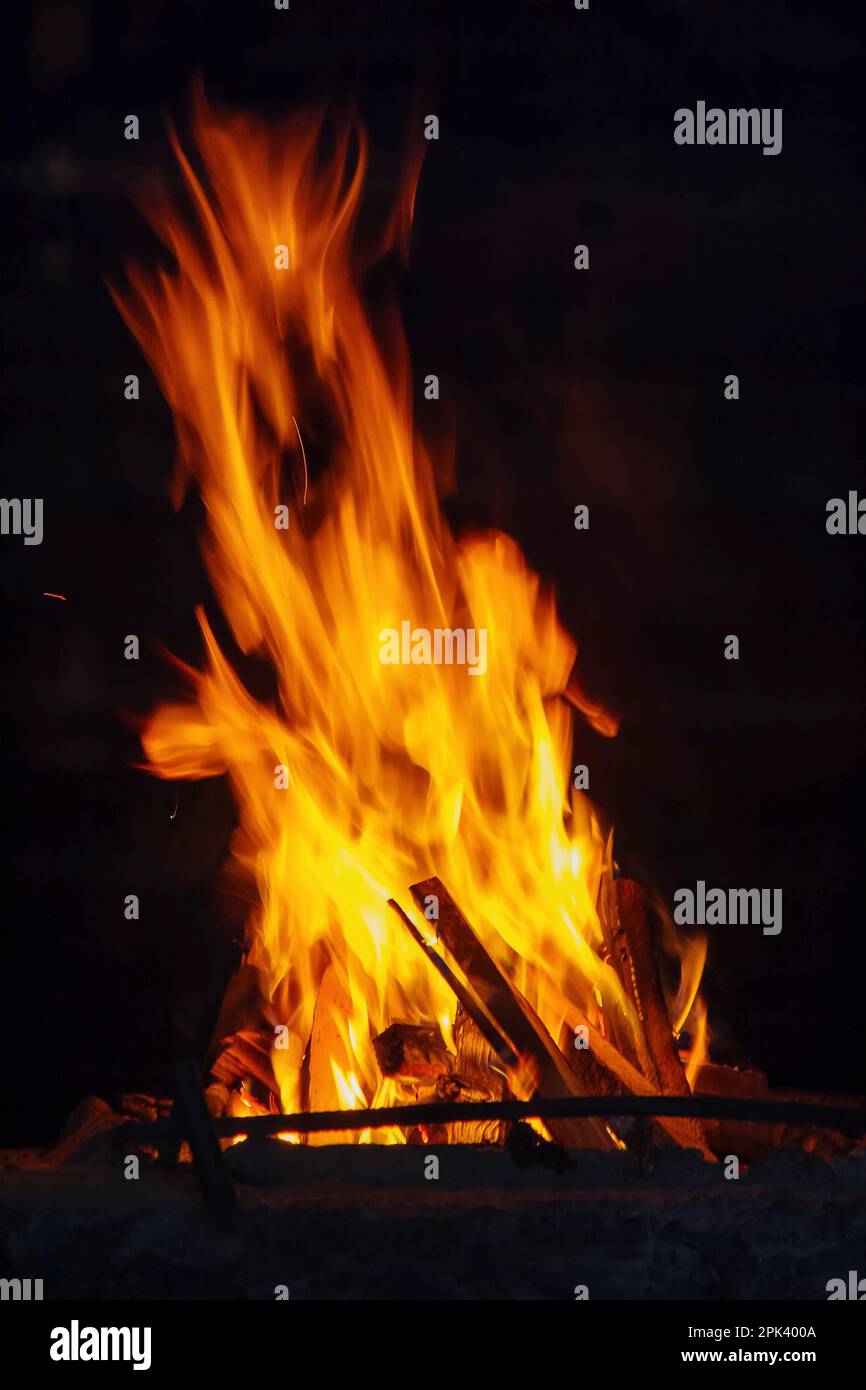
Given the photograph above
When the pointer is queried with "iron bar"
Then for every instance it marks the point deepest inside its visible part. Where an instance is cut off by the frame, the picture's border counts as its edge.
(846, 1119)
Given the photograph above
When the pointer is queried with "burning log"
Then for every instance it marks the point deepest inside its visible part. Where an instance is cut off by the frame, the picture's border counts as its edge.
(467, 997)
(622, 1076)
(416, 1053)
(143, 1107)
(477, 1076)
(514, 1017)
(629, 1081)
(731, 1136)
(328, 1048)
(217, 1098)
(246, 1056)
(596, 1079)
(478, 1066)
(627, 922)
(413, 1051)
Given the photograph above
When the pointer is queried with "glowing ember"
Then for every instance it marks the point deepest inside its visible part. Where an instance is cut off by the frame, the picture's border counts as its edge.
(368, 772)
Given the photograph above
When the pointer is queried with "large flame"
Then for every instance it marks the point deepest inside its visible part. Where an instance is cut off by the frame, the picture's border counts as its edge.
(393, 771)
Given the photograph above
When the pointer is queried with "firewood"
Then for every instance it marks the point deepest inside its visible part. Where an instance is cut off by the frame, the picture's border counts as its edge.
(217, 1098)
(596, 1079)
(143, 1107)
(465, 995)
(91, 1117)
(416, 1055)
(477, 1075)
(92, 1110)
(627, 922)
(513, 1016)
(475, 1057)
(412, 1050)
(731, 1136)
(245, 1057)
(631, 1081)
(623, 1076)
(328, 1045)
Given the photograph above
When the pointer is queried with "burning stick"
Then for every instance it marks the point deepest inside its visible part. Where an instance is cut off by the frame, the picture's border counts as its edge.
(467, 997)
(514, 1016)
(628, 931)
(625, 1079)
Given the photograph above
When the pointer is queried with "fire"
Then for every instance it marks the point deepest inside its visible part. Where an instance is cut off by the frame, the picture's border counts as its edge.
(362, 775)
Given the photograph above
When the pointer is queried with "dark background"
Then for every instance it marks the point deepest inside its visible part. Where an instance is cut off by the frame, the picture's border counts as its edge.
(707, 517)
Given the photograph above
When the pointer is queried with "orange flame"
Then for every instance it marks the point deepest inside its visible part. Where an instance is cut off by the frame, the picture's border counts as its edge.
(391, 772)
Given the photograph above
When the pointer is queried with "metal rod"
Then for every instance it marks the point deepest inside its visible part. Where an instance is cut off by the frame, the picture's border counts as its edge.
(195, 1123)
(849, 1120)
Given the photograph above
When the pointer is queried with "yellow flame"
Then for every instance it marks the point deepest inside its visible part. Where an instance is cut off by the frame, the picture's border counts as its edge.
(389, 772)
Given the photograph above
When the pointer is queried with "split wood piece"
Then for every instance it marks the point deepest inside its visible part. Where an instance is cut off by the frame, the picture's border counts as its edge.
(597, 1079)
(808, 1137)
(93, 1109)
(240, 1010)
(91, 1118)
(629, 934)
(477, 1075)
(143, 1107)
(413, 1051)
(416, 1054)
(465, 995)
(246, 1056)
(731, 1136)
(514, 1016)
(328, 1046)
(632, 1082)
(477, 1063)
(225, 962)
(217, 1097)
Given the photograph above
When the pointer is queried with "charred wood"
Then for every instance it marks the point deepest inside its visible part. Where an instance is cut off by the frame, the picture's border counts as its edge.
(477, 1075)
(413, 1051)
(465, 994)
(513, 1016)
(628, 927)
(246, 1056)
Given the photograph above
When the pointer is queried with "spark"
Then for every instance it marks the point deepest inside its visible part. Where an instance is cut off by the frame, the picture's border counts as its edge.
(304, 457)
(45, 594)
